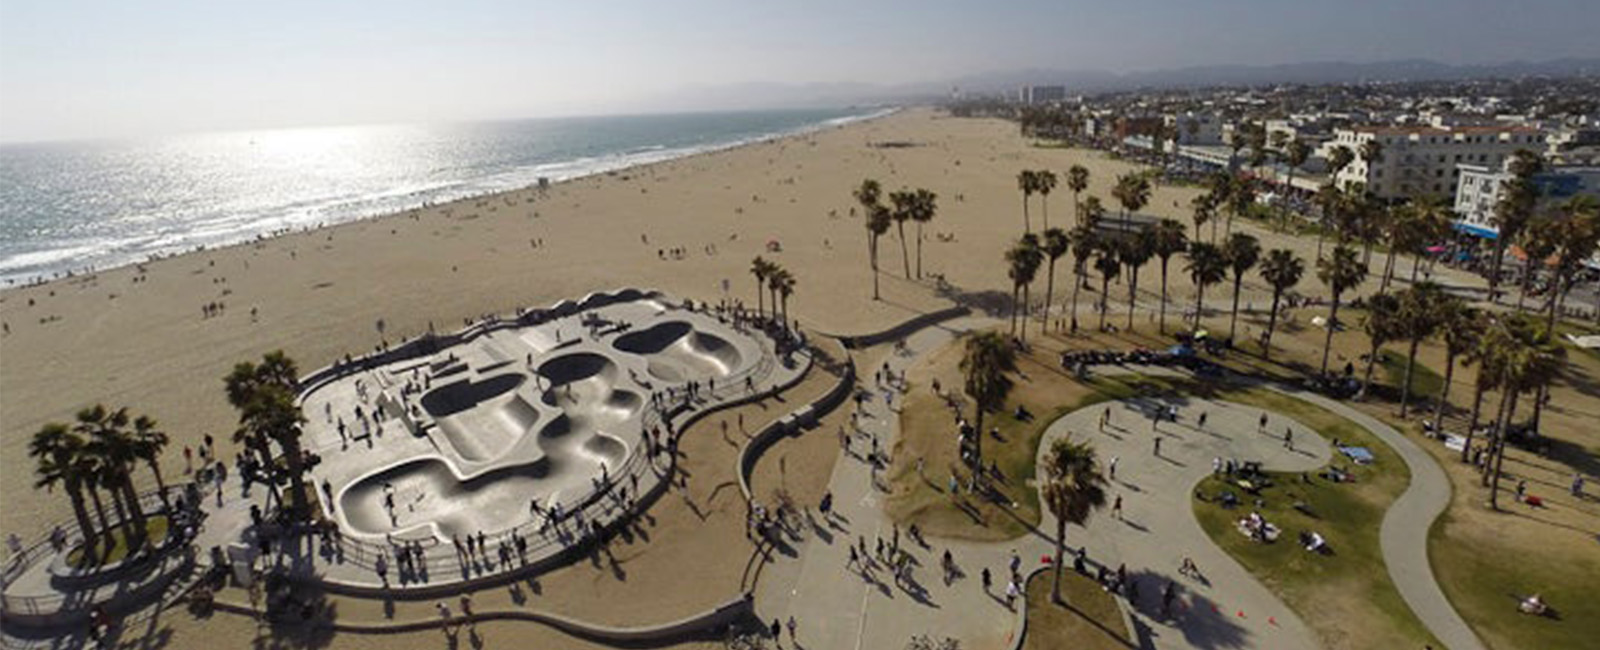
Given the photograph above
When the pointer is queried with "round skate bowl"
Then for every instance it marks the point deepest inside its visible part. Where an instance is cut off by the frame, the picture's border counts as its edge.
(676, 351)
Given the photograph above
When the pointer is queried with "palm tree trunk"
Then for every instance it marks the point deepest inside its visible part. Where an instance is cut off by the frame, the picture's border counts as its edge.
(80, 510)
(1133, 292)
(1388, 272)
(99, 510)
(1027, 226)
(1233, 322)
(1444, 391)
(1472, 422)
(1322, 229)
(1372, 361)
(873, 259)
(1199, 304)
(1105, 287)
(137, 532)
(1527, 279)
(1163, 318)
(1494, 271)
(1044, 204)
(1049, 291)
(1077, 284)
(1500, 450)
(1327, 341)
(1272, 324)
(761, 296)
(295, 460)
(919, 250)
(1405, 386)
(1016, 293)
(1025, 308)
(161, 483)
(1061, 546)
(905, 257)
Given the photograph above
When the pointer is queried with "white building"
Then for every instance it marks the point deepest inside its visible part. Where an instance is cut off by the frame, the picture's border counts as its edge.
(1422, 160)
(1196, 128)
(1034, 95)
(1482, 186)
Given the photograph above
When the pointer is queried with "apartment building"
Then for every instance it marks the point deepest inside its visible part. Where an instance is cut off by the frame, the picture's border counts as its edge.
(1482, 185)
(1422, 160)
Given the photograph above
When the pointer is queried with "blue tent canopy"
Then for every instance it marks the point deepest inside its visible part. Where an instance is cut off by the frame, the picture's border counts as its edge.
(1477, 231)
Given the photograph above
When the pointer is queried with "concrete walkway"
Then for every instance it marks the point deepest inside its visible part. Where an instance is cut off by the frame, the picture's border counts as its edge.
(839, 605)
(1223, 606)
(1404, 534)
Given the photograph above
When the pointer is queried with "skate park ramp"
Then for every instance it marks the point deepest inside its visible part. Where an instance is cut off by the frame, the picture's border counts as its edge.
(677, 351)
(481, 419)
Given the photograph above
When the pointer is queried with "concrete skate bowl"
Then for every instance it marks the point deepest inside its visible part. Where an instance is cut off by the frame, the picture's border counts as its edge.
(678, 351)
(573, 441)
(426, 492)
(585, 380)
(484, 418)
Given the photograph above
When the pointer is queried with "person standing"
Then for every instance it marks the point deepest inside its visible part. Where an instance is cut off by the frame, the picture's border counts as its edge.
(1116, 508)
(1288, 438)
(1112, 467)
(1261, 424)
(1158, 446)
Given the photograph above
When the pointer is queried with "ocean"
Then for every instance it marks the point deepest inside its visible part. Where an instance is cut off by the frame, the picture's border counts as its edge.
(71, 206)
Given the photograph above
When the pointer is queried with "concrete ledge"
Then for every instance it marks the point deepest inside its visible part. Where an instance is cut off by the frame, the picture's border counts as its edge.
(689, 628)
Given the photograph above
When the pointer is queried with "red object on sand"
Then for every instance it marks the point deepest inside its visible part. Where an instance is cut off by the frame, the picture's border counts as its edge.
(1533, 501)
(1045, 560)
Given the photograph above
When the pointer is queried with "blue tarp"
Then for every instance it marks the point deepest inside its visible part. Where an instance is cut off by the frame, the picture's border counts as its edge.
(1477, 231)
(1358, 454)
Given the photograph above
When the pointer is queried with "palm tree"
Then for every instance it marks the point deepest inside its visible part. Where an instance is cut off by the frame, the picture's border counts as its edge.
(1427, 222)
(924, 208)
(1078, 181)
(1382, 326)
(1137, 249)
(1023, 262)
(772, 289)
(1207, 265)
(1073, 489)
(783, 282)
(1093, 212)
(1541, 238)
(877, 220)
(1203, 209)
(1167, 239)
(1282, 270)
(1341, 158)
(149, 443)
(1523, 358)
(1242, 252)
(1109, 267)
(984, 364)
(1341, 272)
(1133, 192)
(1512, 212)
(1084, 244)
(1028, 182)
(1371, 153)
(1420, 311)
(110, 442)
(1055, 244)
(1460, 326)
(59, 453)
(760, 268)
(903, 207)
(1296, 153)
(1221, 192)
(264, 394)
(1044, 182)
(1241, 196)
(1329, 200)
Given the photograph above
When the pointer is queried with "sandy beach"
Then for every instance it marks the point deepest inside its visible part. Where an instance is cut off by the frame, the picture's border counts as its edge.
(320, 295)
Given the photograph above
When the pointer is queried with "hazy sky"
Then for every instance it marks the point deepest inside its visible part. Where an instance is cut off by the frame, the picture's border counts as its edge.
(75, 68)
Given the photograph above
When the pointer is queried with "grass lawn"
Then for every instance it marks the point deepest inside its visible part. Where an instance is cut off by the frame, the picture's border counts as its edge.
(1329, 591)
(1091, 619)
(1425, 383)
(1485, 576)
(928, 432)
(155, 531)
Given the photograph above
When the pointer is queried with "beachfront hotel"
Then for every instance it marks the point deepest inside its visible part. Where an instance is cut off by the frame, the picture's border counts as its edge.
(1422, 160)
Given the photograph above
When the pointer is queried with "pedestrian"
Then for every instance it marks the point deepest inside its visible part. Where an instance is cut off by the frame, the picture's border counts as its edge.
(1158, 446)
(1167, 596)
(1203, 419)
(777, 629)
(1116, 508)
(1011, 593)
(988, 579)
(1016, 562)
(1216, 465)
(1261, 425)
(855, 560)
(1577, 485)
(1522, 489)
(792, 626)
(1105, 418)
(1113, 467)
(1288, 438)
(444, 612)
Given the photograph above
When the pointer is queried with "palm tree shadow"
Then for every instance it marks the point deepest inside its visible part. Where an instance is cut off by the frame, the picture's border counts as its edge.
(1201, 620)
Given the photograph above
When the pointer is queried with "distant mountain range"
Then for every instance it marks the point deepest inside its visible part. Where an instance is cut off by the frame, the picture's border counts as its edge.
(773, 95)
